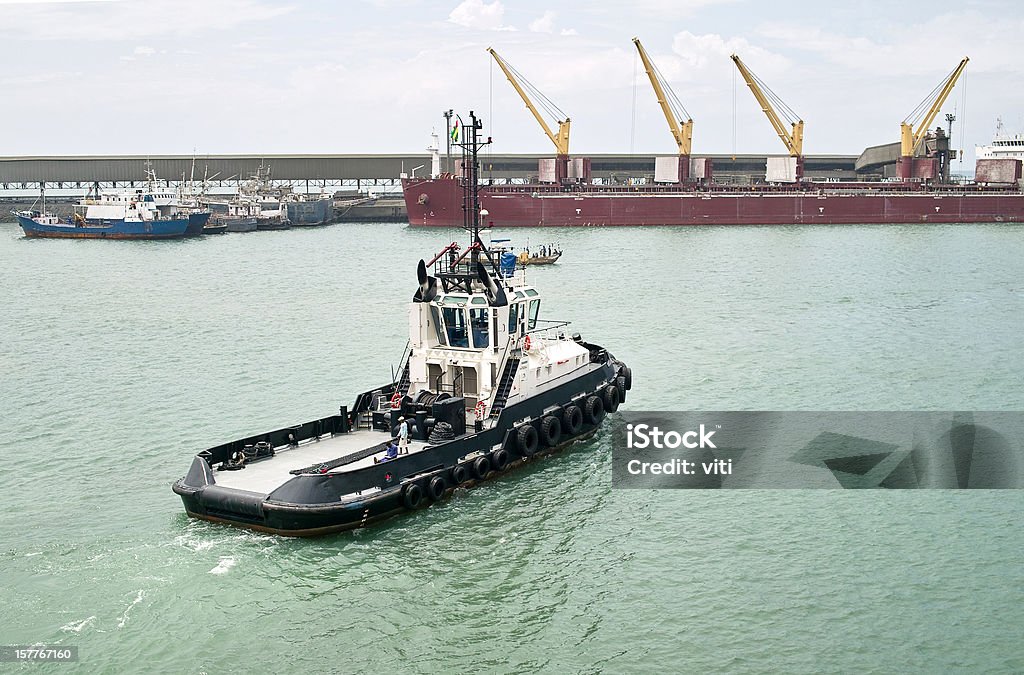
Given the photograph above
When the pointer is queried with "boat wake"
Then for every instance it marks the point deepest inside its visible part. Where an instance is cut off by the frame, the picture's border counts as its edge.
(77, 626)
(224, 566)
(124, 616)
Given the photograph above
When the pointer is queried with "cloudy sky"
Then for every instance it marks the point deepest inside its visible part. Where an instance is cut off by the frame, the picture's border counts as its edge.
(279, 76)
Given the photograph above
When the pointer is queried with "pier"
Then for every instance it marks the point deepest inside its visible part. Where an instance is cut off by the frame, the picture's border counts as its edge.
(366, 187)
(361, 173)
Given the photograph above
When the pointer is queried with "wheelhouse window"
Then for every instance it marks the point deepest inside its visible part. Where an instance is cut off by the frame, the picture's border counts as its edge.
(455, 324)
(435, 317)
(478, 322)
(534, 311)
(513, 318)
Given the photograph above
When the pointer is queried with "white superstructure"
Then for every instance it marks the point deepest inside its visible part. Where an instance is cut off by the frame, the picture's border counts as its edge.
(1003, 146)
(462, 344)
(129, 205)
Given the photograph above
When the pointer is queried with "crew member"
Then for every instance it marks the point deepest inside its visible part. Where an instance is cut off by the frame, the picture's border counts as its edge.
(403, 436)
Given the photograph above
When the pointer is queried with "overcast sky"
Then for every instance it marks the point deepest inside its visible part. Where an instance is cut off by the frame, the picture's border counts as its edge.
(373, 76)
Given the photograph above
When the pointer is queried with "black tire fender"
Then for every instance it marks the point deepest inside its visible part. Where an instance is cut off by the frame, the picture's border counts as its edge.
(460, 474)
(610, 398)
(593, 410)
(500, 458)
(412, 496)
(526, 440)
(437, 487)
(551, 430)
(481, 467)
(572, 420)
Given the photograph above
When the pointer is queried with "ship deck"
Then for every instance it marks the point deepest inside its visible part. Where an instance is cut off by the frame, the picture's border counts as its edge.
(263, 476)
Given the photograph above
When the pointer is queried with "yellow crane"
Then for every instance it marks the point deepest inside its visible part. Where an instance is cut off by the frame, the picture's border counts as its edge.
(794, 138)
(682, 131)
(925, 112)
(521, 84)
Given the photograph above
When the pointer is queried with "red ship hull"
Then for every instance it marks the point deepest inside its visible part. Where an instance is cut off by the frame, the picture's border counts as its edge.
(437, 202)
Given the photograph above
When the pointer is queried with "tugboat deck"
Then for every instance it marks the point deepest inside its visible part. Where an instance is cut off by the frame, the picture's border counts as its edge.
(263, 476)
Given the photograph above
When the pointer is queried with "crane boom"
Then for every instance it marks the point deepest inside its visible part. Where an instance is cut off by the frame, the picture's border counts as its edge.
(682, 131)
(911, 138)
(561, 139)
(793, 140)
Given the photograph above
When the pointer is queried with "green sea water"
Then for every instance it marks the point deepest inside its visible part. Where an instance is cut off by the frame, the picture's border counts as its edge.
(120, 360)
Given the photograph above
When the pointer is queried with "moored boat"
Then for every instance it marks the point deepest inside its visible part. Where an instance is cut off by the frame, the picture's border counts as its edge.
(111, 215)
(304, 211)
(485, 385)
(168, 203)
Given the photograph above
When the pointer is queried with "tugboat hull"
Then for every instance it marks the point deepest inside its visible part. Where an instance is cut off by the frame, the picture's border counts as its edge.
(296, 520)
(312, 504)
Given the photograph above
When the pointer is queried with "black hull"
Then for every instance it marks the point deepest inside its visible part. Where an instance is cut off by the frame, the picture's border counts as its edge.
(197, 223)
(308, 505)
(295, 520)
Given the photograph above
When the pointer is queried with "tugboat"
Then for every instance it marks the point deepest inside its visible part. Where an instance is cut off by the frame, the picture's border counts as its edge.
(486, 385)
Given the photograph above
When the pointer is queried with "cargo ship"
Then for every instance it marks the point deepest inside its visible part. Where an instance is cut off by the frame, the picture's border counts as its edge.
(683, 191)
(435, 202)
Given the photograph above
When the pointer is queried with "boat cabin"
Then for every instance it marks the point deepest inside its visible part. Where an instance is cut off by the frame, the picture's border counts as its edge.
(464, 344)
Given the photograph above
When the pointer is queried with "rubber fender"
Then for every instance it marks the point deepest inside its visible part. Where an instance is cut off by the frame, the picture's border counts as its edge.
(412, 496)
(593, 410)
(527, 440)
(499, 458)
(610, 398)
(481, 467)
(551, 430)
(572, 420)
(437, 487)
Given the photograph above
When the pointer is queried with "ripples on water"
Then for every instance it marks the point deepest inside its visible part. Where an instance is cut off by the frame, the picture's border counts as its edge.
(121, 359)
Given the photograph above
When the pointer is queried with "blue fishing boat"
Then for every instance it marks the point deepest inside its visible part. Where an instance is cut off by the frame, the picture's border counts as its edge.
(112, 215)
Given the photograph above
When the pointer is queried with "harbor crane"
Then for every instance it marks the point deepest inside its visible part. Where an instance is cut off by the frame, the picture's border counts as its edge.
(682, 131)
(792, 138)
(522, 86)
(922, 116)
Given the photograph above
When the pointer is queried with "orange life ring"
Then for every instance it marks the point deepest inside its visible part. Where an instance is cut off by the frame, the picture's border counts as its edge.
(396, 400)
(526, 343)
(481, 409)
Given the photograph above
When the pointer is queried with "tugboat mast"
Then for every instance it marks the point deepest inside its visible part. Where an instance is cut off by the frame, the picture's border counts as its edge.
(459, 273)
(471, 173)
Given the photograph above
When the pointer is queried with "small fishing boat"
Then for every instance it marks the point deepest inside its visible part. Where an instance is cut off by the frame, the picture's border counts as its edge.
(547, 254)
